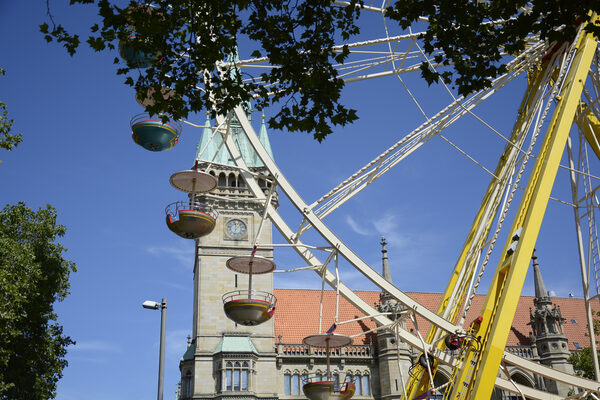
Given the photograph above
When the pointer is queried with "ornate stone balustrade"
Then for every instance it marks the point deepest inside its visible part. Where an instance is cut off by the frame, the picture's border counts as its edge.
(300, 350)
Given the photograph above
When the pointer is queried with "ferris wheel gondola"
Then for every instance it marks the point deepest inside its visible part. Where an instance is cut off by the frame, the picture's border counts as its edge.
(249, 307)
(191, 219)
(315, 388)
(154, 134)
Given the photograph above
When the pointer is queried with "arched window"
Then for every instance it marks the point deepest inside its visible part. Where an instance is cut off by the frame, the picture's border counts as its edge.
(357, 383)
(241, 182)
(245, 376)
(187, 385)
(232, 180)
(237, 376)
(439, 380)
(365, 385)
(520, 380)
(296, 383)
(229, 376)
(222, 180)
(287, 383)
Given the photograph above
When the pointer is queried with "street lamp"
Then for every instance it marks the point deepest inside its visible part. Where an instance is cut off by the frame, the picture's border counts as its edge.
(162, 306)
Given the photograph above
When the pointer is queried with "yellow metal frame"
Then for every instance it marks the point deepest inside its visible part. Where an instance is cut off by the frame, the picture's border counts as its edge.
(465, 266)
(476, 377)
(479, 370)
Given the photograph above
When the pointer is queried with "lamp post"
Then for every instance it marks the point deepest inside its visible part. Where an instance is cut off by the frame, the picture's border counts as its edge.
(162, 306)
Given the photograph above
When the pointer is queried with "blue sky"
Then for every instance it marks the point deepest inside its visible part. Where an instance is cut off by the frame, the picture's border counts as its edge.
(78, 156)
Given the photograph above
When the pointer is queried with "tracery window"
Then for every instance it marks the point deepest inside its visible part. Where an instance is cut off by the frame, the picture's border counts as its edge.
(237, 375)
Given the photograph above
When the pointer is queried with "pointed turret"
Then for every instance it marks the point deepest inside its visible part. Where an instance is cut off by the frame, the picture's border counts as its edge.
(548, 336)
(541, 294)
(263, 136)
(387, 303)
(209, 145)
(387, 275)
(394, 355)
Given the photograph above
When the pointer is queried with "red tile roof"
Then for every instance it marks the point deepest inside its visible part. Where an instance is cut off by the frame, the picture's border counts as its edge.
(297, 315)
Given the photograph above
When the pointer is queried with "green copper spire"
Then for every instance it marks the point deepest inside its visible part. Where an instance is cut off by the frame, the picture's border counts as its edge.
(210, 147)
(264, 140)
(243, 144)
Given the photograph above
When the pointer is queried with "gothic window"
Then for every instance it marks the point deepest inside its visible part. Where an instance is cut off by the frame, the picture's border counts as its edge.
(440, 379)
(287, 383)
(237, 375)
(296, 383)
(520, 380)
(229, 376)
(187, 385)
(232, 180)
(357, 383)
(222, 180)
(319, 376)
(365, 385)
(244, 372)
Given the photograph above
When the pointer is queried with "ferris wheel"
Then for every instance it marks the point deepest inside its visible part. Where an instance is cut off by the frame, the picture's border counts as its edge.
(562, 92)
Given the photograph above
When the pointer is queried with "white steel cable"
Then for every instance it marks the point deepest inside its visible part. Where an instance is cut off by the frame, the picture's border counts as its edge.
(414, 320)
(492, 244)
(355, 183)
(323, 268)
(311, 267)
(395, 69)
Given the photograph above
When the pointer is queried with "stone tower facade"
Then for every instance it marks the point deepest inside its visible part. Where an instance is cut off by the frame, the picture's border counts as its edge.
(391, 353)
(548, 335)
(224, 359)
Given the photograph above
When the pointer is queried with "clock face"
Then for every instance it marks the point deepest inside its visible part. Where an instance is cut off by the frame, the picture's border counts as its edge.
(236, 229)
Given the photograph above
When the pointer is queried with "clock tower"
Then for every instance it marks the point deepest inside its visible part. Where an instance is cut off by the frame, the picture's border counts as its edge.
(224, 359)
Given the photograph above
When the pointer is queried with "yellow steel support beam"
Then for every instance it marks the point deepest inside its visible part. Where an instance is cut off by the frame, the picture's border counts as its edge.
(590, 126)
(419, 381)
(479, 371)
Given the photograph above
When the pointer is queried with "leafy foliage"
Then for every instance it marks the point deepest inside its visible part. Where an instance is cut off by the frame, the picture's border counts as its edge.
(33, 276)
(473, 40)
(188, 42)
(7, 140)
(188, 39)
(583, 363)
